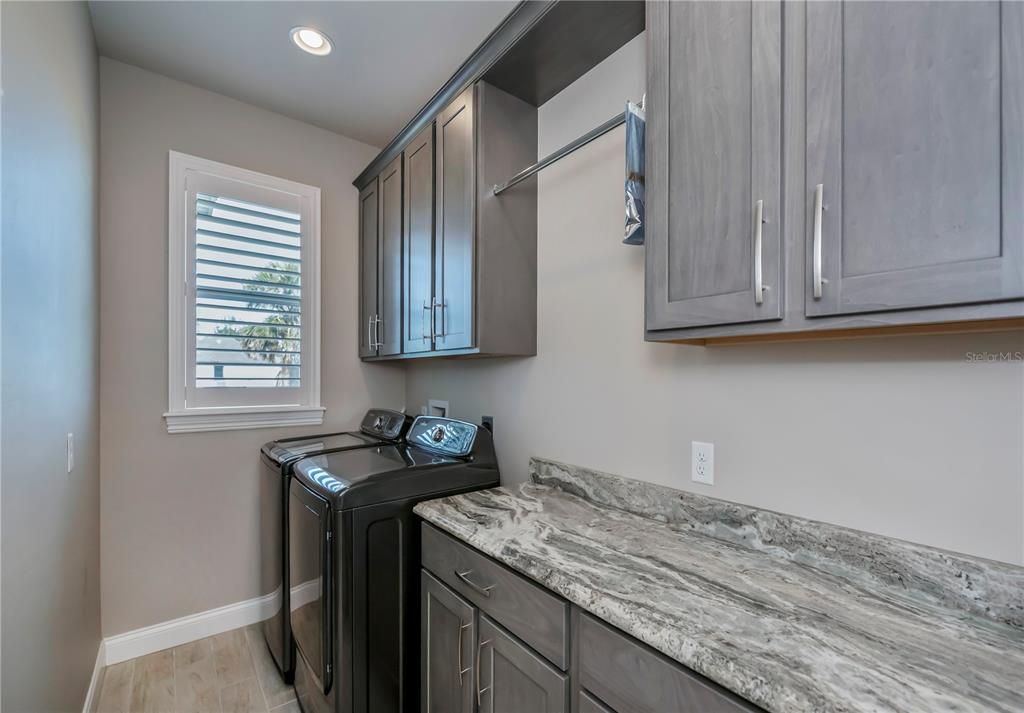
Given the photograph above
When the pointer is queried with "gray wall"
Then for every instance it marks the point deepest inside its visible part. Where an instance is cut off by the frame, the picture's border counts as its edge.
(180, 512)
(51, 553)
(901, 436)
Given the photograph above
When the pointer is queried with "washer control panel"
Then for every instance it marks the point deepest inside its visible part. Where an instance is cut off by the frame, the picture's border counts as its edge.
(383, 423)
(443, 435)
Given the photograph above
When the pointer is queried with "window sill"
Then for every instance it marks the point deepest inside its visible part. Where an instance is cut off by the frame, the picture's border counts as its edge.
(234, 419)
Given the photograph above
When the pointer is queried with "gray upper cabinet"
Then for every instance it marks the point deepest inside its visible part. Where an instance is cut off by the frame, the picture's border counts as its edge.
(454, 239)
(881, 143)
(456, 266)
(389, 281)
(369, 217)
(914, 133)
(513, 679)
(714, 163)
(419, 243)
(448, 638)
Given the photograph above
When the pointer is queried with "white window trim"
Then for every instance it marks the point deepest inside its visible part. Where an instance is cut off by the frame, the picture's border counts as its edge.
(179, 417)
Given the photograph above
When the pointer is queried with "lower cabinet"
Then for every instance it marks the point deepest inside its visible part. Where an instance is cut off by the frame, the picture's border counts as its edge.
(513, 679)
(448, 626)
(472, 663)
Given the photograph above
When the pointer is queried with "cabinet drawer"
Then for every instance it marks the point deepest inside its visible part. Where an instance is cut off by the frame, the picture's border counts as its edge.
(526, 609)
(589, 704)
(632, 678)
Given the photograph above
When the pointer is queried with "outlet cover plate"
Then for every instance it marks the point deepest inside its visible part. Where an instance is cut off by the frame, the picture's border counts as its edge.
(702, 462)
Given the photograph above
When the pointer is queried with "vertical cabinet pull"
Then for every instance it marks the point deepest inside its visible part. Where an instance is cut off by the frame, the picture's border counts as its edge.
(758, 274)
(427, 307)
(819, 207)
(377, 342)
(462, 671)
(369, 334)
(479, 660)
(435, 303)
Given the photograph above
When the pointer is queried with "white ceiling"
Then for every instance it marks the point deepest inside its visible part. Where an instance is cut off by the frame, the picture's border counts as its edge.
(389, 57)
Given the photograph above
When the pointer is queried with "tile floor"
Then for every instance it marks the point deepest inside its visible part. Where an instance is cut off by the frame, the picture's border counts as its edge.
(227, 673)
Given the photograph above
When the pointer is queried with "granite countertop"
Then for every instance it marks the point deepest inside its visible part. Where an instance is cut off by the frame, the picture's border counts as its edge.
(780, 633)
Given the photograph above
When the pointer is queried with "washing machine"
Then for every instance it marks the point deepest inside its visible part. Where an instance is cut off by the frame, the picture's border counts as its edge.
(378, 427)
(355, 548)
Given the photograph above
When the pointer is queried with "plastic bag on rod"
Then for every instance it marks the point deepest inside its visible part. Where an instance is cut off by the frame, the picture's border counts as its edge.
(635, 172)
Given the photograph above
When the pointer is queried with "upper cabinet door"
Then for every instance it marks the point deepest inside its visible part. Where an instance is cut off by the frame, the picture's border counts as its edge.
(914, 133)
(369, 220)
(389, 290)
(454, 237)
(419, 242)
(714, 160)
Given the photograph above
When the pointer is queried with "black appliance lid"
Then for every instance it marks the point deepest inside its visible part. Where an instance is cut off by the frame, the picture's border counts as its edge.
(378, 426)
(358, 477)
(293, 449)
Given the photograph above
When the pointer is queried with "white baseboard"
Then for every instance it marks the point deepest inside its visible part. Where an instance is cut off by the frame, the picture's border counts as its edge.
(188, 628)
(94, 682)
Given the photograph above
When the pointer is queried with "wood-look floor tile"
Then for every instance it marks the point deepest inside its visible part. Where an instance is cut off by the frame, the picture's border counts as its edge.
(153, 683)
(232, 658)
(243, 697)
(275, 690)
(197, 687)
(193, 652)
(116, 689)
(291, 706)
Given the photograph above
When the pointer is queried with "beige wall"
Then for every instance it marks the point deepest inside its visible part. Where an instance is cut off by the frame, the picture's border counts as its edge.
(901, 436)
(180, 512)
(51, 551)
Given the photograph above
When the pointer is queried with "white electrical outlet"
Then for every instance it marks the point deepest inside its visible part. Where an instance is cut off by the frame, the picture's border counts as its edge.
(71, 452)
(702, 462)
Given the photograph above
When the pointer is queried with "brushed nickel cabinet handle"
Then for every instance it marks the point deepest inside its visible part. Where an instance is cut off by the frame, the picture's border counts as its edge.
(819, 207)
(442, 304)
(462, 671)
(758, 276)
(479, 660)
(369, 333)
(377, 321)
(427, 307)
(464, 576)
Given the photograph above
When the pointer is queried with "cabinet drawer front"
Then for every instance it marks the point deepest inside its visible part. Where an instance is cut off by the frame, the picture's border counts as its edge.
(634, 679)
(589, 704)
(526, 609)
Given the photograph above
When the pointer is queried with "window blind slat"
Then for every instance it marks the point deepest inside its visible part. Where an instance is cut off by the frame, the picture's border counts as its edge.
(223, 293)
(217, 235)
(256, 227)
(213, 205)
(212, 320)
(238, 266)
(295, 288)
(246, 253)
(245, 351)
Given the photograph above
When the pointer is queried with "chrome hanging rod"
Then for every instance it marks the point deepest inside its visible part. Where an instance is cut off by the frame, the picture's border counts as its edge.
(562, 152)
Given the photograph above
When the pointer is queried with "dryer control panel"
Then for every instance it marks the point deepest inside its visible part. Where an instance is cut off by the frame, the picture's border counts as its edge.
(443, 435)
(384, 423)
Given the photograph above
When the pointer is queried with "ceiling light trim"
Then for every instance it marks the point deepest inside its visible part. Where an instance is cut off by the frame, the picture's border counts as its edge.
(298, 35)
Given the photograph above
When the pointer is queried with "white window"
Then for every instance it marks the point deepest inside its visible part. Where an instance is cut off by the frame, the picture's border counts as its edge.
(244, 299)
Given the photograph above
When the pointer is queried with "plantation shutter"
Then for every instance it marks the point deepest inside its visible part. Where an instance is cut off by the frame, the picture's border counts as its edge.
(246, 288)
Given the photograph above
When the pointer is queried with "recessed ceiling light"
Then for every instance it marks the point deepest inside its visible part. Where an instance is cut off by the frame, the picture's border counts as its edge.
(310, 40)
